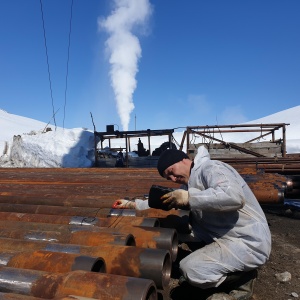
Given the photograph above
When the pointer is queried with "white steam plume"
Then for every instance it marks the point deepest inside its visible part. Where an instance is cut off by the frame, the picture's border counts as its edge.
(125, 51)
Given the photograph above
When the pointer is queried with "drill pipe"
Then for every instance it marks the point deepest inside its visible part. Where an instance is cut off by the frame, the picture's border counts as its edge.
(177, 219)
(51, 261)
(70, 297)
(147, 213)
(12, 296)
(284, 168)
(154, 264)
(113, 222)
(88, 212)
(149, 217)
(268, 195)
(81, 283)
(68, 201)
(51, 210)
(147, 237)
(85, 238)
(279, 181)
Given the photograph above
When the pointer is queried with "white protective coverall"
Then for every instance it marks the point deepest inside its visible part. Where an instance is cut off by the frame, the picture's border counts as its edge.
(225, 215)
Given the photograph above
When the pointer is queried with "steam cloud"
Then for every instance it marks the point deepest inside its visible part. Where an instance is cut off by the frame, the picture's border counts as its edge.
(125, 51)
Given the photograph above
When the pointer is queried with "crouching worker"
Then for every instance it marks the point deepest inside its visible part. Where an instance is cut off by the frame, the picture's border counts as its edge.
(225, 215)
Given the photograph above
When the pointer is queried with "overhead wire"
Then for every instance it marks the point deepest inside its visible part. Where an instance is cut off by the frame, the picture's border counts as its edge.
(67, 73)
(49, 76)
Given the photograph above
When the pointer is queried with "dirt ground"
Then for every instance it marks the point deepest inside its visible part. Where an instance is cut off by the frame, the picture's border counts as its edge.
(285, 257)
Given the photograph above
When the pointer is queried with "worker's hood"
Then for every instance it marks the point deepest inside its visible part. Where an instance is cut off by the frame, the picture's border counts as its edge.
(201, 156)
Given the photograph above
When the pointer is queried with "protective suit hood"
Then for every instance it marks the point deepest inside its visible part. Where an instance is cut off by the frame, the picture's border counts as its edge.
(201, 156)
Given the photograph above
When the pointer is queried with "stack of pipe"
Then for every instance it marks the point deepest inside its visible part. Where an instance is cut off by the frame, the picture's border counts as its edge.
(76, 236)
(289, 165)
(57, 228)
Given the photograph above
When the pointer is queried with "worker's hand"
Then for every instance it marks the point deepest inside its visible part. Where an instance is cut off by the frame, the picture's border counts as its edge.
(176, 199)
(122, 203)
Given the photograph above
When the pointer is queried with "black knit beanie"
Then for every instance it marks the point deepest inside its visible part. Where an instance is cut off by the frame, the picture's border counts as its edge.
(168, 158)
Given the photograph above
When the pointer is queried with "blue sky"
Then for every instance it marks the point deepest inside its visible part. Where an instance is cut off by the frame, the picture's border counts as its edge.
(202, 62)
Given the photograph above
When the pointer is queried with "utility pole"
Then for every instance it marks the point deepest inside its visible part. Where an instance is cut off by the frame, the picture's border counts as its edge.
(135, 122)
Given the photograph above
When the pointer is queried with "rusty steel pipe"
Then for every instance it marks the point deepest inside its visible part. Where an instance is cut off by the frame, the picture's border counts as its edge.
(269, 195)
(68, 201)
(71, 297)
(147, 237)
(49, 210)
(88, 212)
(284, 168)
(154, 264)
(278, 181)
(52, 261)
(63, 233)
(267, 191)
(13, 296)
(86, 238)
(114, 222)
(81, 283)
(177, 219)
(147, 213)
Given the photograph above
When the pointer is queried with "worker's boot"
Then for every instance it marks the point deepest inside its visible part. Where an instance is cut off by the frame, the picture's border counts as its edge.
(243, 292)
(237, 285)
(243, 286)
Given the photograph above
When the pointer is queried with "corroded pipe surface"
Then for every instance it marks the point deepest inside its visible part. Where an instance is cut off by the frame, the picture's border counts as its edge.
(269, 195)
(87, 238)
(147, 263)
(80, 220)
(148, 213)
(177, 219)
(63, 201)
(52, 261)
(12, 296)
(51, 210)
(88, 212)
(154, 264)
(71, 297)
(88, 284)
(147, 237)
(115, 222)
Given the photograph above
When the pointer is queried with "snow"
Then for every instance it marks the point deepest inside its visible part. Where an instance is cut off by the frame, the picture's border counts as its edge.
(25, 142)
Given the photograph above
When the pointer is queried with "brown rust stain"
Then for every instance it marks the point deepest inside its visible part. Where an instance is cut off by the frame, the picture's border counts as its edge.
(47, 285)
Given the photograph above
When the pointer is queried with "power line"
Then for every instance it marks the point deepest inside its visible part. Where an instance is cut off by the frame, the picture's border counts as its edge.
(53, 112)
(71, 16)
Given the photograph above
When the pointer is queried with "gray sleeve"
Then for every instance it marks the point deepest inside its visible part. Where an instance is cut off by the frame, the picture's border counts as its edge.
(141, 204)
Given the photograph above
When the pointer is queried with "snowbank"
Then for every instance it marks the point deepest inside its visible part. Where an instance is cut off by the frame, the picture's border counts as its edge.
(63, 148)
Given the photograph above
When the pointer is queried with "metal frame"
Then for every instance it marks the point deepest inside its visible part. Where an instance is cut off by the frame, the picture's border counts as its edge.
(127, 135)
(263, 129)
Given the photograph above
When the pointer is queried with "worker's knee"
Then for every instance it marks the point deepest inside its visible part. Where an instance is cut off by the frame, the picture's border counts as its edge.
(201, 274)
